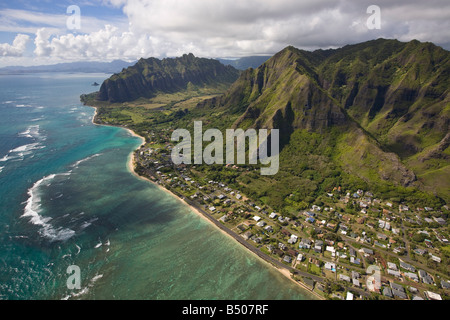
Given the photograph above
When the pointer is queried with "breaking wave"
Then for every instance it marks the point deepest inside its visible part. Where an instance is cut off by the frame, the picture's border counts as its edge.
(76, 164)
(19, 153)
(33, 209)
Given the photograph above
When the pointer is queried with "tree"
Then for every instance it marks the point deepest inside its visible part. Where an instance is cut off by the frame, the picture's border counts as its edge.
(419, 237)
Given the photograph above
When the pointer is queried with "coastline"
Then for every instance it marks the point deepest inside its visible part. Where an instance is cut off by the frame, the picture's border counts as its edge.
(131, 165)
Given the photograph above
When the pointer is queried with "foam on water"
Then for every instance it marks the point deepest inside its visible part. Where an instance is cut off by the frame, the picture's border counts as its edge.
(76, 164)
(19, 153)
(33, 210)
(32, 131)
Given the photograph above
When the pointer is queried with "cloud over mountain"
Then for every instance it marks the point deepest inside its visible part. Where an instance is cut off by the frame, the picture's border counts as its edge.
(17, 48)
(211, 28)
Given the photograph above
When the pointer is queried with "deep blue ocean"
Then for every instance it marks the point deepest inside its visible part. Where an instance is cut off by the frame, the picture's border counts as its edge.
(67, 198)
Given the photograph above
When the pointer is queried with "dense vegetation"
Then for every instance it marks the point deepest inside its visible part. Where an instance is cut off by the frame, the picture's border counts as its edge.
(371, 116)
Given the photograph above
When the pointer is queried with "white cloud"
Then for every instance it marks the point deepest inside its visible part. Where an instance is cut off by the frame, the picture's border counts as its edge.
(17, 48)
(106, 44)
(237, 28)
(227, 28)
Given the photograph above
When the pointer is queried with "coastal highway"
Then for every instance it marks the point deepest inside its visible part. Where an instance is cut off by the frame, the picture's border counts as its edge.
(253, 249)
(277, 264)
(262, 255)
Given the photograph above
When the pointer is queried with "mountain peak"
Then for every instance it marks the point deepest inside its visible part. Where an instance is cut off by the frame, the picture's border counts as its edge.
(388, 99)
(150, 76)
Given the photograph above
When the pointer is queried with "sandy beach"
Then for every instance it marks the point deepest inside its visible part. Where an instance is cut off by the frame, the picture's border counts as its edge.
(283, 271)
(131, 166)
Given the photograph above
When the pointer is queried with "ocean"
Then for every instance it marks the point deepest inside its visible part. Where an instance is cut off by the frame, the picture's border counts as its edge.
(67, 199)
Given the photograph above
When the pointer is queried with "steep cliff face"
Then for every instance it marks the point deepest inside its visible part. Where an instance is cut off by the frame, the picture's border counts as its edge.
(150, 76)
(282, 93)
(388, 100)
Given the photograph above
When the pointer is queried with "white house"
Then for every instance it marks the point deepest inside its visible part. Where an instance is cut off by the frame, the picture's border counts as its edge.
(293, 239)
(330, 266)
(331, 249)
(256, 218)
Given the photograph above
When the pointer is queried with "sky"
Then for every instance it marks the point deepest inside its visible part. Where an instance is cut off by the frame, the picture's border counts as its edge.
(47, 32)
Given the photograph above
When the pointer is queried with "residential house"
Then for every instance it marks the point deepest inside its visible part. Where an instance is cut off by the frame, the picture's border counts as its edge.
(379, 244)
(257, 239)
(330, 266)
(394, 273)
(425, 277)
(310, 220)
(420, 251)
(367, 252)
(247, 235)
(428, 243)
(428, 220)
(314, 261)
(435, 258)
(399, 292)
(396, 286)
(318, 244)
(261, 224)
(388, 292)
(398, 249)
(305, 244)
(432, 296)
(344, 277)
(382, 236)
(412, 276)
(392, 266)
(293, 239)
(407, 266)
(445, 284)
(331, 249)
(287, 259)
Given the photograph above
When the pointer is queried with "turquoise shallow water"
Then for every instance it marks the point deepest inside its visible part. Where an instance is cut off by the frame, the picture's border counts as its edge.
(67, 198)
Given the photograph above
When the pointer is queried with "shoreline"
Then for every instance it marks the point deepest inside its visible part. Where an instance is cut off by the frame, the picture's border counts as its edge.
(130, 166)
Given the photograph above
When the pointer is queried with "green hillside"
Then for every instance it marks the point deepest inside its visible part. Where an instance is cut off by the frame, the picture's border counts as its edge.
(374, 116)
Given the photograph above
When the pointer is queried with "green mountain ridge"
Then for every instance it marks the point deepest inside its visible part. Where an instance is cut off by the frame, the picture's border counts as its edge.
(373, 115)
(149, 77)
(383, 106)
